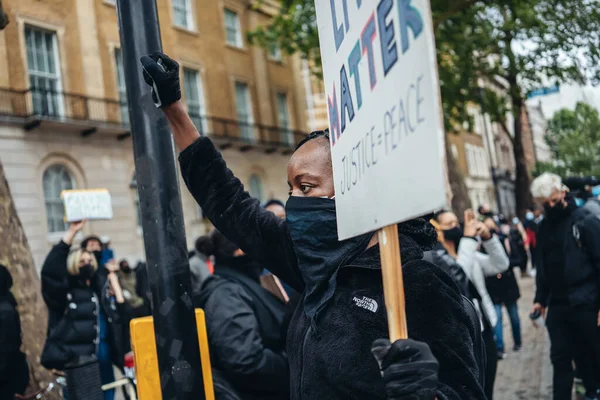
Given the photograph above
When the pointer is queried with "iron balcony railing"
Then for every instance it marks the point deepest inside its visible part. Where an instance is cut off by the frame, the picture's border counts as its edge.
(43, 104)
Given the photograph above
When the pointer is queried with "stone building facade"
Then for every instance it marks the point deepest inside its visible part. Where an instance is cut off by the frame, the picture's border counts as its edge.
(63, 111)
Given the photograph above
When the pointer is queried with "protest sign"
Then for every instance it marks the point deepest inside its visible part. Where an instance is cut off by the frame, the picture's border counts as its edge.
(386, 131)
(87, 204)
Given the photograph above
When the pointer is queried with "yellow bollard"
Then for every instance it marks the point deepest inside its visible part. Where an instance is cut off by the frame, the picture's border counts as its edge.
(146, 361)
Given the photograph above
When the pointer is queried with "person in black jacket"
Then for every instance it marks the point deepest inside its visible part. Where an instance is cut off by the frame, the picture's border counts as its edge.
(341, 317)
(504, 290)
(14, 372)
(568, 284)
(85, 321)
(243, 321)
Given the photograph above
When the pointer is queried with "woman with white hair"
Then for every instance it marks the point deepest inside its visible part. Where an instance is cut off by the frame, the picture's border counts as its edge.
(84, 324)
(568, 285)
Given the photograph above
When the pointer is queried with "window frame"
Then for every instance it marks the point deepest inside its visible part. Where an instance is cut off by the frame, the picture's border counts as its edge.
(189, 14)
(239, 40)
(201, 103)
(248, 125)
(121, 89)
(286, 131)
(64, 169)
(254, 179)
(39, 74)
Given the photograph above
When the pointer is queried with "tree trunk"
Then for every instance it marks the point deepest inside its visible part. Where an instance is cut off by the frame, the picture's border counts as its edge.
(460, 194)
(15, 254)
(522, 178)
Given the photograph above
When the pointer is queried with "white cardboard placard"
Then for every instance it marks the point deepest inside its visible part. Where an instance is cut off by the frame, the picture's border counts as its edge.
(382, 92)
(87, 204)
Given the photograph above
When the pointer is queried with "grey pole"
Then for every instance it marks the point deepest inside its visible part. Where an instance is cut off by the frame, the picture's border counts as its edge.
(162, 215)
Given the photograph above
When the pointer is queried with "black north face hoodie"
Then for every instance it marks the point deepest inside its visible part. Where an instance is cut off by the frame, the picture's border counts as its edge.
(332, 359)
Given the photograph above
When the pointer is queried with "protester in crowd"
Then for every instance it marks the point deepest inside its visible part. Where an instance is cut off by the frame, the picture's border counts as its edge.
(85, 320)
(518, 249)
(243, 322)
(276, 207)
(485, 212)
(463, 245)
(128, 282)
(342, 311)
(531, 225)
(504, 290)
(201, 266)
(568, 284)
(142, 285)
(14, 373)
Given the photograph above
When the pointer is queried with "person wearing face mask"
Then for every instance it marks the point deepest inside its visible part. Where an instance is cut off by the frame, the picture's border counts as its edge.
(243, 323)
(334, 340)
(568, 285)
(128, 282)
(14, 372)
(85, 317)
(463, 246)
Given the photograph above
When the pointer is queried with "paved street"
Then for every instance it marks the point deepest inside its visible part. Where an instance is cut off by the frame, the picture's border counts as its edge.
(527, 374)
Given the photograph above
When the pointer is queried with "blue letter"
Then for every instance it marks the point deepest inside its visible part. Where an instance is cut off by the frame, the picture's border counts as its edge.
(334, 120)
(409, 18)
(346, 19)
(389, 53)
(366, 38)
(338, 31)
(345, 98)
(353, 61)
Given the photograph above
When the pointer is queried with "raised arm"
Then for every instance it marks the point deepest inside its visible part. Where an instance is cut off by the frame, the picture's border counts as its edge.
(495, 261)
(259, 233)
(54, 271)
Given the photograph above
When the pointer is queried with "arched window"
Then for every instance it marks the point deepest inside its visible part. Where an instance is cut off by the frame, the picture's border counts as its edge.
(256, 187)
(56, 179)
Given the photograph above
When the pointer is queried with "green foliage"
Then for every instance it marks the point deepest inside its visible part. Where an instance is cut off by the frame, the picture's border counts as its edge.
(519, 44)
(574, 137)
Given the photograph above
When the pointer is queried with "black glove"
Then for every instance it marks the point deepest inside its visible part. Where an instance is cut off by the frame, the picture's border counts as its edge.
(409, 369)
(162, 74)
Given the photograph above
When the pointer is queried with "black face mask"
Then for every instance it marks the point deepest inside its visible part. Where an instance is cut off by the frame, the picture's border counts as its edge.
(86, 272)
(453, 235)
(313, 228)
(555, 211)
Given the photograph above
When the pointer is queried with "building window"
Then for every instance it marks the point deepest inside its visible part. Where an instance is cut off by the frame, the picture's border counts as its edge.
(56, 178)
(244, 111)
(454, 152)
(43, 68)
(182, 14)
(233, 32)
(256, 187)
(274, 52)
(194, 98)
(121, 89)
(283, 117)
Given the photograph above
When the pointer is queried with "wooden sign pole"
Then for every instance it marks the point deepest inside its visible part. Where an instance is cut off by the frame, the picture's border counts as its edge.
(393, 284)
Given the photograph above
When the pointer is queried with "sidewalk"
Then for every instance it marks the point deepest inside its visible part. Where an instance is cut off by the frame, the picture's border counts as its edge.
(525, 375)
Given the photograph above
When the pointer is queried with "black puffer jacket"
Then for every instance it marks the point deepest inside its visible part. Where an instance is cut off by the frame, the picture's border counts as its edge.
(577, 274)
(14, 373)
(244, 321)
(333, 360)
(73, 312)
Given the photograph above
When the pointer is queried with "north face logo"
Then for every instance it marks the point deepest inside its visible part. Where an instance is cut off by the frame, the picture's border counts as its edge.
(366, 303)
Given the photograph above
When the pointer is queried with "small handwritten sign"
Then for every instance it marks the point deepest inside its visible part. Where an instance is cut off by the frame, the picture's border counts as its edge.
(87, 204)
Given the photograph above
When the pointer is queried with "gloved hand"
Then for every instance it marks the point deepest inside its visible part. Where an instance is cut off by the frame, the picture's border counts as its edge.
(162, 74)
(409, 369)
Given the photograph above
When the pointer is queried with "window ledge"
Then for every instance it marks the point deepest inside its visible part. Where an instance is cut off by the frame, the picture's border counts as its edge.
(276, 61)
(109, 3)
(189, 31)
(241, 49)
